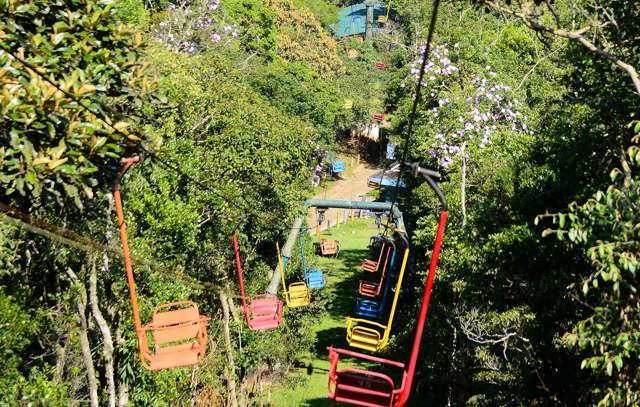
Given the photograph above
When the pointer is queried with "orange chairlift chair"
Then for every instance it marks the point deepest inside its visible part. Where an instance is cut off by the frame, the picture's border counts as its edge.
(177, 330)
(372, 266)
(373, 288)
(329, 247)
(370, 387)
(265, 310)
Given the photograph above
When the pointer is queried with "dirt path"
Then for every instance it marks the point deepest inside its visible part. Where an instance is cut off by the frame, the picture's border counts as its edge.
(347, 188)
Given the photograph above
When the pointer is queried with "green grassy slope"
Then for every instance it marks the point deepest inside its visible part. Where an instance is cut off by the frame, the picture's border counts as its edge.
(307, 386)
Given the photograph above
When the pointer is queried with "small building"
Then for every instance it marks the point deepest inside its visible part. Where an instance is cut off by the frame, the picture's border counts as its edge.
(360, 20)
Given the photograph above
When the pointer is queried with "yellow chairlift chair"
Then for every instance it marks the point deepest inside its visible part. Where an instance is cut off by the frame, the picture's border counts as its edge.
(298, 293)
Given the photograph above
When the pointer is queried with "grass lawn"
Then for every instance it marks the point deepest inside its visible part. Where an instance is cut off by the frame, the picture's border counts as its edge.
(343, 274)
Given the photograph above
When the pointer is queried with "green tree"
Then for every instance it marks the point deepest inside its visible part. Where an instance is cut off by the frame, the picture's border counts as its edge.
(609, 338)
(50, 145)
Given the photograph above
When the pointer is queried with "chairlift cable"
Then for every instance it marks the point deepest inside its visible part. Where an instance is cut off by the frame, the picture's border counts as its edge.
(416, 100)
(70, 238)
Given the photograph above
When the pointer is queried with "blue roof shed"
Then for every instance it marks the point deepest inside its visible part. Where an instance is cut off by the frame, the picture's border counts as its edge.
(352, 20)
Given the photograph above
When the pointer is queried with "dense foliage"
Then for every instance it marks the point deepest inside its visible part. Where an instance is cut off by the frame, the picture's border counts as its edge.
(81, 48)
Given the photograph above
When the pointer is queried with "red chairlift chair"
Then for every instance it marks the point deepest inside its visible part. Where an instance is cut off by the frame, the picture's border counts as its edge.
(378, 117)
(374, 389)
(358, 386)
(265, 310)
(177, 330)
(379, 65)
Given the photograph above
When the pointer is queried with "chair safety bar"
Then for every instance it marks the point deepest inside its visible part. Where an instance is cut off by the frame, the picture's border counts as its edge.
(364, 356)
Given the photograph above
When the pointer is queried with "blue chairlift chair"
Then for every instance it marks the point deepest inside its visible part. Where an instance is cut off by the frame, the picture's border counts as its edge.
(314, 278)
(338, 166)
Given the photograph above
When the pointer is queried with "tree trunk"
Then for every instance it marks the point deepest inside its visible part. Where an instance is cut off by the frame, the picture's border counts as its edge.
(454, 363)
(463, 186)
(61, 359)
(234, 311)
(107, 340)
(232, 399)
(85, 346)
(123, 388)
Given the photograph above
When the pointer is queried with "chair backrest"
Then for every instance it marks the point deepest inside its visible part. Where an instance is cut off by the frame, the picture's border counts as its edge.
(328, 246)
(384, 266)
(338, 166)
(175, 325)
(387, 281)
(382, 246)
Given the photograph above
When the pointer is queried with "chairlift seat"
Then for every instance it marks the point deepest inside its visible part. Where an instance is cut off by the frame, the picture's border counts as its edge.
(372, 288)
(179, 336)
(329, 247)
(367, 308)
(369, 288)
(172, 357)
(364, 388)
(358, 386)
(379, 65)
(372, 266)
(264, 322)
(338, 166)
(298, 295)
(265, 312)
(315, 279)
(365, 334)
(379, 117)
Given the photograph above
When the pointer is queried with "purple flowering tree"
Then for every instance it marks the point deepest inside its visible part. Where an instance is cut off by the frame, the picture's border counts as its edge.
(462, 112)
(193, 26)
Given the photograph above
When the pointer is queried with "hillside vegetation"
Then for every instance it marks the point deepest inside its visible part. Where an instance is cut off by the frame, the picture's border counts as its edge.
(529, 111)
